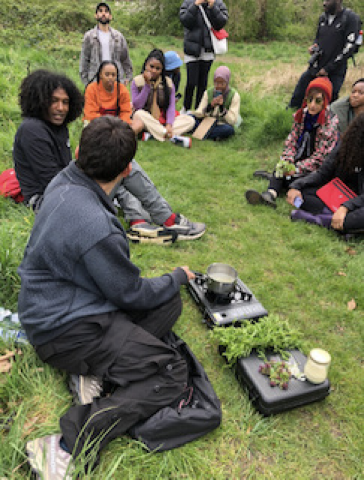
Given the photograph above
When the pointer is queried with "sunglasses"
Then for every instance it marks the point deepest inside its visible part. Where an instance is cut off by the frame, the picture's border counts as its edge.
(318, 100)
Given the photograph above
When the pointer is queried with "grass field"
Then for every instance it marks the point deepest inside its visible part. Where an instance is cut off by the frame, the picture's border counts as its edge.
(302, 273)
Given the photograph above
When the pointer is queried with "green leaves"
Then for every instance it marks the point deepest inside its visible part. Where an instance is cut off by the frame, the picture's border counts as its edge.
(269, 332)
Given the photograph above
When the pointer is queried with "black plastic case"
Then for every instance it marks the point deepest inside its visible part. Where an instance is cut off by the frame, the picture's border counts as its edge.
(271, 400)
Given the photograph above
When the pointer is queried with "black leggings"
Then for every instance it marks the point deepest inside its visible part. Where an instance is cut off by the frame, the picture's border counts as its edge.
(197, 77)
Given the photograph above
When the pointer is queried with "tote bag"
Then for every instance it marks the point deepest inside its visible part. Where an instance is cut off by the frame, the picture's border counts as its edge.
(218, 37)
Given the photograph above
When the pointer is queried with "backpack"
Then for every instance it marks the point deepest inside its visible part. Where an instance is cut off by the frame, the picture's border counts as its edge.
(9, 185)
(196, 412)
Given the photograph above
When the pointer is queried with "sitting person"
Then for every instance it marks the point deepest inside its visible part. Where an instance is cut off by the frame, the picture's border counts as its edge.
(347, 163)
(48, 102)
(106, 95)
(347, 108)
(87, 310)
(153, 97)
(222, 103)
(137, 195)
(313, 136)
(173, 64)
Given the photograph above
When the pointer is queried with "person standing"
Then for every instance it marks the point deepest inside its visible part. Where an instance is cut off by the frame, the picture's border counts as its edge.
(197, 45)
(104, 43)
(337, 32)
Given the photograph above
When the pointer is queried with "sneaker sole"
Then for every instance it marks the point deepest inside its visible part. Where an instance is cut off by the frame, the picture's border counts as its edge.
(255, 198)
(181, 236)
(166, 240)
(262, 174)
(145, 232)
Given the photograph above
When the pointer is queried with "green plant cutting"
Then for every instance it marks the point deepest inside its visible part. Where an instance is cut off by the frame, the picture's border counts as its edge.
(283, 168)
(269, 333)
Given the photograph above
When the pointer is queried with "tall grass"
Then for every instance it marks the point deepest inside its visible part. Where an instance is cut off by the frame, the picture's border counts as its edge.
(305, 274)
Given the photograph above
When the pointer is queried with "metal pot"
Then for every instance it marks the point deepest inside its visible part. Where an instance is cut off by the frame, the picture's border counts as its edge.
(221, 278)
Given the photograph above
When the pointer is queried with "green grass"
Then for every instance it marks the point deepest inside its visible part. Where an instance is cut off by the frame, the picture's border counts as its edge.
(291, 267)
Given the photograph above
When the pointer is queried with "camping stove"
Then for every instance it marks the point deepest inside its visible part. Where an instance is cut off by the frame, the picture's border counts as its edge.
(223, 310)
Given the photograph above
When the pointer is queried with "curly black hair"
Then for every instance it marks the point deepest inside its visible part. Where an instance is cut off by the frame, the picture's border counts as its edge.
(351, 151)
(36, 92)
(159, 55)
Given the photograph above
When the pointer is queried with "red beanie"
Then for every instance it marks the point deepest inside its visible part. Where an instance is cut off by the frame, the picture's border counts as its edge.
(325, 86)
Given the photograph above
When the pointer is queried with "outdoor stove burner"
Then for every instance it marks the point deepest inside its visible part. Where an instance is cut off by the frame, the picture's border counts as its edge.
(225, 309)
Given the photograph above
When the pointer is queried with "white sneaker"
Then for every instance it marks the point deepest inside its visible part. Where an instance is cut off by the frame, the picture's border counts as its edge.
(185, 142)
(146, 136)
(48, 460)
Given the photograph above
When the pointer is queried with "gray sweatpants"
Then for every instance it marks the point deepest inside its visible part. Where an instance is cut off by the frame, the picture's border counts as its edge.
(139, 198)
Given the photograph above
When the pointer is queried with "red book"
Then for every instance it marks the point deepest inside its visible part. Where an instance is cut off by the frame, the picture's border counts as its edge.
(335, 193)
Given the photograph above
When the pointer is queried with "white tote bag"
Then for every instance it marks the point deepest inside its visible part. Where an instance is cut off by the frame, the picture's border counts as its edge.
(220, 46)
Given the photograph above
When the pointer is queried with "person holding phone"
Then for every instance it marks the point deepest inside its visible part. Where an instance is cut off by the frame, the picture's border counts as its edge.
(221, 102)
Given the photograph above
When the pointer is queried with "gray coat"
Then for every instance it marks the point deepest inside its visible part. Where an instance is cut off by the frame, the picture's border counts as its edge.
(90, 59)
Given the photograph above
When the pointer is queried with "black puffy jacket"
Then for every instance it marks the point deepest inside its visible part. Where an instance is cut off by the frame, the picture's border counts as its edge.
(196, 33)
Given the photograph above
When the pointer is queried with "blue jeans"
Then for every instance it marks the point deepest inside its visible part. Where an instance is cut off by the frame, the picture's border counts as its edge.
(224, 130)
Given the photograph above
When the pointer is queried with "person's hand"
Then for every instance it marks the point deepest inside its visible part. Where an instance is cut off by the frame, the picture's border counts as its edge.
(290, 173)
(126, 82)
(217, 101)
(199, 2)
(312, 48)
(147, 76)
(292, 194)
(322, 73)
(337, 221)
(168, 133)
(211, 3)
(190, 275)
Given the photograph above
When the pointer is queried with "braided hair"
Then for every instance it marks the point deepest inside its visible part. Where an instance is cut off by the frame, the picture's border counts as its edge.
(97, 78)
(159, 55)
(351, 151)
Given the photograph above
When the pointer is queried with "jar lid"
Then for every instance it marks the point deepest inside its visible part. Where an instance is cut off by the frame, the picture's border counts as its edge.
(320, 356)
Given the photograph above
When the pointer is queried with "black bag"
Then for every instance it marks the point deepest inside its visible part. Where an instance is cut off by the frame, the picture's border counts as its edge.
(271, 400)
(196, 412)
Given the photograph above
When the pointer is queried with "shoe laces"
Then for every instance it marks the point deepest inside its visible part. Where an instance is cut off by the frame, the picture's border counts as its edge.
(183, 221)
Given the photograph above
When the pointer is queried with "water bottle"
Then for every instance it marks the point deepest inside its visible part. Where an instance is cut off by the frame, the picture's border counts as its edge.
(359, 40)
(10, 327)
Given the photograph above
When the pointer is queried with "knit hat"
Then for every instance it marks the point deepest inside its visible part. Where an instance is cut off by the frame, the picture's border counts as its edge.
(224, 73)
(324, 85)
(103, 4)
(172, 60)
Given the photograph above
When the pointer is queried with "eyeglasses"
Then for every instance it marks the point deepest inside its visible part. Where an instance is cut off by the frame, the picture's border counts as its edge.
(317, 100)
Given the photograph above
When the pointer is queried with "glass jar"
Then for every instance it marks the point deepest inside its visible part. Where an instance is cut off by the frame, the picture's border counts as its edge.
(317, 366)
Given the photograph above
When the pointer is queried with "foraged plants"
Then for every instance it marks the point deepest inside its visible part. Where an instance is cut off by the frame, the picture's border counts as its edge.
(269, 333)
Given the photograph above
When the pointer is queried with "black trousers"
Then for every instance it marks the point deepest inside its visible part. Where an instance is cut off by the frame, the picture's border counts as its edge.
(124, 348)
(197, 77)
(336, 78)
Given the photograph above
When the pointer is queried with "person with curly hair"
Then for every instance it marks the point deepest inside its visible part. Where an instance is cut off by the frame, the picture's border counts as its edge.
(154, 103)
(105, 95)
(49, 102)
(347, 163)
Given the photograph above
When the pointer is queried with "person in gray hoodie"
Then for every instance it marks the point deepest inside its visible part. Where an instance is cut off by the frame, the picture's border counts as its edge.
(86, 308)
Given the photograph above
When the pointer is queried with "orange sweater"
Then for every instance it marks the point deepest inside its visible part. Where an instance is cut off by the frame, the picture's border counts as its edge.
(97, 97)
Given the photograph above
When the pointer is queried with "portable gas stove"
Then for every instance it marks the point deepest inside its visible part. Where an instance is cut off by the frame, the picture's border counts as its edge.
(221, 309)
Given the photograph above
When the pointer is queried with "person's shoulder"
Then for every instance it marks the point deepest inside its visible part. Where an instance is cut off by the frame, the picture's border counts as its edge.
(33, 126)
(341, 103)
(91, 32)
(116, 33)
